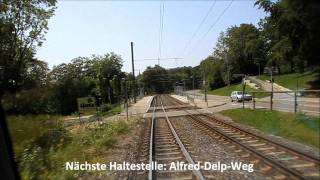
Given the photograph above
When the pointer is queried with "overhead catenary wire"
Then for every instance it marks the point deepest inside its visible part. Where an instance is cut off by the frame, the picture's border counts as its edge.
(217, 20)
(154, 59)
(214, 23)
(200, 25)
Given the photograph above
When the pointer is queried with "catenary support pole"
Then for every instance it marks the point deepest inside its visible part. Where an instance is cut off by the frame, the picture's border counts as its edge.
(271, 96)
(134, 78)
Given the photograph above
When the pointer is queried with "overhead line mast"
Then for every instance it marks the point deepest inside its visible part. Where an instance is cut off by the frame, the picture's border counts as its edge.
(160, 29)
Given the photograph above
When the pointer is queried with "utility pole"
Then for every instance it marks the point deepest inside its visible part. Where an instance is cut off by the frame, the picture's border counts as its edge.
(124, 88)
(193, 86)
(271, 96)
(228, 70)
(126, 94)
(134, 78)
(205, 89)
(243, 90)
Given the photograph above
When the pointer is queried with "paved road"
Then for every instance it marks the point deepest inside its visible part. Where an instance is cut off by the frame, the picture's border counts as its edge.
(310, 106)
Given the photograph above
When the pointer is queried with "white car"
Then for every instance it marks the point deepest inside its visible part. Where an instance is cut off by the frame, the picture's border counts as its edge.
(237, 96)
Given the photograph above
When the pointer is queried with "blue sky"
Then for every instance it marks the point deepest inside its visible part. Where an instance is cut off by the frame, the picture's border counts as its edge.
(83, 28)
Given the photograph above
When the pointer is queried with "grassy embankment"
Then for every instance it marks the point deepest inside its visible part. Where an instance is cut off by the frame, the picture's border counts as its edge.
(106, 110)
(290, 80)
(297, 127)
(42, 145)
(226, 91)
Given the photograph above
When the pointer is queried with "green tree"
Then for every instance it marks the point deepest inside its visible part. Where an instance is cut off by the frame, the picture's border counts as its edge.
(212, 71)
(155, 80)
(295, 27)
(245, 49)
(22, 25)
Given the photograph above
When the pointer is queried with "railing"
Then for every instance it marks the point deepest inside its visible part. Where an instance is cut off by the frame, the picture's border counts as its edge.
(305, 101)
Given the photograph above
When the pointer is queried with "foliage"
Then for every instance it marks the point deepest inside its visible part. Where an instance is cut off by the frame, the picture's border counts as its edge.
(287, 38)
(155, 80)
(291, 30)
(47, 151)
(290, 81)
(56, 91)
(22, 25)
(27, 128)
(212, 70)
(227, 90)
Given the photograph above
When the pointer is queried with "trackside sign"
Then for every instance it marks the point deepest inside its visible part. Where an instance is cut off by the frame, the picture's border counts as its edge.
(86, 103)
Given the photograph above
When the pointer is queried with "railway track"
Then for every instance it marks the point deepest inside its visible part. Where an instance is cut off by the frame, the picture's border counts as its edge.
(166, 147)
(272, 158)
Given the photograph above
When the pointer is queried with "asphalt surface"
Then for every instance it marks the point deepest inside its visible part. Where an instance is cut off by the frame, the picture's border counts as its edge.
(281, 102)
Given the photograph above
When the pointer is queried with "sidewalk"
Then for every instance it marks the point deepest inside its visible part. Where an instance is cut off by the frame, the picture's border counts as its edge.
(213, 105)
(139, 108)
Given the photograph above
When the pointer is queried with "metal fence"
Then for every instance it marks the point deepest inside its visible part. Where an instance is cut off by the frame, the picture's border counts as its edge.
(302, 101)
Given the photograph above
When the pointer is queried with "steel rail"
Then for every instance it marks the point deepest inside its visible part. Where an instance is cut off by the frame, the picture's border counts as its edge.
(268, 160)
(186, 154)
(283, 169)
(307, 156)
(151, 152)
(286, 148)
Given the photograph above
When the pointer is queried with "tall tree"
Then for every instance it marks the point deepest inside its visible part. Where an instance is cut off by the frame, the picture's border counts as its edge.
(295, 27)
(22, 27)
(155, 80)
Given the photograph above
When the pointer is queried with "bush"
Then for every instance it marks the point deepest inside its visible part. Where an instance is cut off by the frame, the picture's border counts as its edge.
(106, 107)
(35, 161)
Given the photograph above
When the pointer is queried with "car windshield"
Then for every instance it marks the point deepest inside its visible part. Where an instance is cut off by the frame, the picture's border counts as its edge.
(239, 93)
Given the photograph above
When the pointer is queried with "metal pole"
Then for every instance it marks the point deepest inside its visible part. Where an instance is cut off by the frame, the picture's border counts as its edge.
(193, 87)
(271, 96)
(205, 89)
(126, 100)
(253, 101)
(134, 79)
(243, 88)
(295, 98)
(228, 70)
(295, 102)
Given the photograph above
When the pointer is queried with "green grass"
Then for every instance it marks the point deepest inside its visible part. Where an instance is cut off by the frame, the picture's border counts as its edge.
(116, 109)
(106, 111)
(297, 127)
(42, 145)
(25, 129)
(290, 80)
(226, 91)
